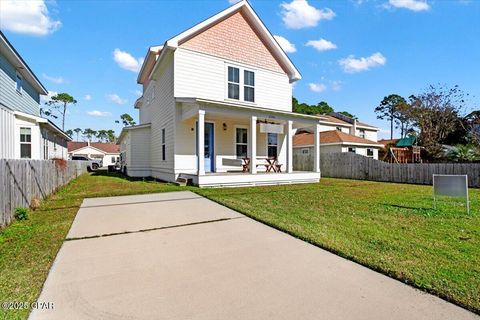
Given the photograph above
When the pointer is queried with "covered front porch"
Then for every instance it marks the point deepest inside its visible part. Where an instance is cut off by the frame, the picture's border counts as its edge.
(234, 144)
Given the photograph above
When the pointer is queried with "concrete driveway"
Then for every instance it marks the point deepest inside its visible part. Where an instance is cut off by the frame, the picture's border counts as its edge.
(180, 256)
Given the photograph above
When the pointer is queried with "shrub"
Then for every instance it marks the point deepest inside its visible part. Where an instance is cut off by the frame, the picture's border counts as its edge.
(464, 153)
(21, 213)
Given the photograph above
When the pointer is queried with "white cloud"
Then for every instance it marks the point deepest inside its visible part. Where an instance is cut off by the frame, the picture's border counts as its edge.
(126, 61)
(29, 17)
(286, 45)
(96, 113)
(336, 85)
(321, 45)
(317, 87)
(87, 97)
(414, 5)
(300, 14)
(48, 97)
(115, 98)
(57, 80)
(353, 65)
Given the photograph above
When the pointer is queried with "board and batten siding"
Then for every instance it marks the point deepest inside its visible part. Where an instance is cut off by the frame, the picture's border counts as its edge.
(163, 117)
(7, 129)
(27, 100)
(199, 75)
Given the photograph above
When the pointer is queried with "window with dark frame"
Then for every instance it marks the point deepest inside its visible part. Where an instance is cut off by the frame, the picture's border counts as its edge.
(272, 145)
(163, 145)
(362, 133)
(233, 83)
(369, 152)
(241, 143)
(19, 81)
(249, 86)
(25, 142)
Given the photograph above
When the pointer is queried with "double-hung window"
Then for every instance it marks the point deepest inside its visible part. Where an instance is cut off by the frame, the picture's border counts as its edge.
(249, 86)
(25, 142)
(362, 133)
(233, 83)
(241, 84)
(163, 145)
(241, 143)
(272, 145)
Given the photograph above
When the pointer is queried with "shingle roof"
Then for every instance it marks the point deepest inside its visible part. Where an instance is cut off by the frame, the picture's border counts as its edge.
(105, 147)
(332, 136)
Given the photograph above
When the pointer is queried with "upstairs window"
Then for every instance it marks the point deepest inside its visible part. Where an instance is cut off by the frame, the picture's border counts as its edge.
(19, 82)
(25, 142)
(249, 87)
(233, 83)
(362, 133)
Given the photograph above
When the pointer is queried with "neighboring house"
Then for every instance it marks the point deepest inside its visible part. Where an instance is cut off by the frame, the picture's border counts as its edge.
(213, 95)
(23, 133)
(334, 141)
(109, 153)
(339, 133)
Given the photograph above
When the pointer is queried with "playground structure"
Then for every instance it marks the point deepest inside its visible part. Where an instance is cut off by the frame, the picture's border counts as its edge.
(404, 150)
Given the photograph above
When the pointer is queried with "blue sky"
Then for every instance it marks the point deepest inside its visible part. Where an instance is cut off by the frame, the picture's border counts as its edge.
(350, 53)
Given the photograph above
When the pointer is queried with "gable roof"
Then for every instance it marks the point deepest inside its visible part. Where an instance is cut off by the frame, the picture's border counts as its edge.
(20, 65)
(331, 137)
(332, 118)
(104, 147)
(256, 22)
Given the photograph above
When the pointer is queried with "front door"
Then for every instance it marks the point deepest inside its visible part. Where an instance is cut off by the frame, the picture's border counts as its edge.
(208, 140)
(209, 154)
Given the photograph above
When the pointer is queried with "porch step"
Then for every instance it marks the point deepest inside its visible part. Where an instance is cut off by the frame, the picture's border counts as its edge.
(181, 182)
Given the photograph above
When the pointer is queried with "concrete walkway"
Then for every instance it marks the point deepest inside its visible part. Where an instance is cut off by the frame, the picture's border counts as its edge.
(180, 256)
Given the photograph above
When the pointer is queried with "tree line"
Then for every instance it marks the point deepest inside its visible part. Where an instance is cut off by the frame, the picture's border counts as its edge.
(440, 120)
(320, 108)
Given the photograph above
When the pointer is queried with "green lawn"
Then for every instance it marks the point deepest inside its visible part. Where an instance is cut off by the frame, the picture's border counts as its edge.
(388, 227)
(28, 248)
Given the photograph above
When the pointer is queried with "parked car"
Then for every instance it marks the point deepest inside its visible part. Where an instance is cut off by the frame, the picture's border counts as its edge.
(93, 164)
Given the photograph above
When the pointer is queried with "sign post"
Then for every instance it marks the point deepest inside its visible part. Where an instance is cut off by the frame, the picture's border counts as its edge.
(451, 186)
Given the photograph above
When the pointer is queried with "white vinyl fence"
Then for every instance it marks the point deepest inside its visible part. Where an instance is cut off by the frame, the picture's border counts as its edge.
(21, 181)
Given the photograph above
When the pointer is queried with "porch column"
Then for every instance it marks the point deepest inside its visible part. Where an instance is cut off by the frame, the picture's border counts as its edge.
(316, 166)
(201, 143)
(253, 145)
(289, 146)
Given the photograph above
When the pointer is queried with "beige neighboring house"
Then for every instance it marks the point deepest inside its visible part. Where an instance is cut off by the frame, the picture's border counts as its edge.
(214, 96)
(339, 133)
(109, 153)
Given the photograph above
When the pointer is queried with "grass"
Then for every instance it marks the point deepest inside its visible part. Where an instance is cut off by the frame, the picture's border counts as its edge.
(391, 228)
(28, 247)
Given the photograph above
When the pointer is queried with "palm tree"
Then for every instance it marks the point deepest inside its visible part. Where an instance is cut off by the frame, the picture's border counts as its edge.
(77, 131)
(89, 133)
(111, 136)
(102, 135)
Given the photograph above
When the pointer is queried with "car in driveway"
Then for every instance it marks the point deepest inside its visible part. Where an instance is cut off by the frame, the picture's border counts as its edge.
(93, 164)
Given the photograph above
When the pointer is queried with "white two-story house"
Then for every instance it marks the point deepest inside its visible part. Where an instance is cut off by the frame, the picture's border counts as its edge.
(23, 133)
(217, 107)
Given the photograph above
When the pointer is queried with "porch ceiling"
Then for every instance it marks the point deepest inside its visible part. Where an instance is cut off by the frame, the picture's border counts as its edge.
(232, 111)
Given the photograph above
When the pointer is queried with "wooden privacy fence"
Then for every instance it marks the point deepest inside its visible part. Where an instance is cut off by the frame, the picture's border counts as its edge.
(21, 181)
(354, 166)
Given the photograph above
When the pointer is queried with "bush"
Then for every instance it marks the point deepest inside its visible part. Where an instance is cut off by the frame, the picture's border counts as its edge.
(464, 153)
(21, 213)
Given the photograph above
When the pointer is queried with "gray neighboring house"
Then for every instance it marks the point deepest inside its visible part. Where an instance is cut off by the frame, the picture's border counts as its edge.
(23, 132)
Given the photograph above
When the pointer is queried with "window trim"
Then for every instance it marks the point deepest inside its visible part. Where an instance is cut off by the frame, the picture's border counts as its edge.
(278, 143)
(164, 145)
(373, 153)
(241, 83)
(248, 86)
(235, 139)
(18, 76)
(361, 133)
(25, 143)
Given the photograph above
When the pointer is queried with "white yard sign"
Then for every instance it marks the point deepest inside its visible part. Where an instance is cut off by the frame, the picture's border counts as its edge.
(451, 186)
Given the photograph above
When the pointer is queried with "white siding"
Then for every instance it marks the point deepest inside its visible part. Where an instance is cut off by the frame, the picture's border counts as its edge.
(36, 138)
(140, 152)
(202, 76)
(7, 131)
(163, 117)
